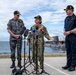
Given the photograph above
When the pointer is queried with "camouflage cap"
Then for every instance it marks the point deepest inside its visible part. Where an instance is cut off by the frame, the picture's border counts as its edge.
(69, 7)
(17, 12)
(38, 17)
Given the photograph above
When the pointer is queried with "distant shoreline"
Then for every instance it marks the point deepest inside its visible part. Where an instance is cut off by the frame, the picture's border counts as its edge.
(62, 54)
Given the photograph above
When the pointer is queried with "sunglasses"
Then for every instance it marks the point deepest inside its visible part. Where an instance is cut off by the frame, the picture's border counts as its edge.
(18, 15)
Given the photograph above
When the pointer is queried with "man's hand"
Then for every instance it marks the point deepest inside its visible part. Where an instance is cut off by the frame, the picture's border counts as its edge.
(66, 33)
(12, 34)
(16, 36)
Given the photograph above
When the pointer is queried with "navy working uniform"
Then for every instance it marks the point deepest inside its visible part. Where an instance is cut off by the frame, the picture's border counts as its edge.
(70, 41)
(15, 26)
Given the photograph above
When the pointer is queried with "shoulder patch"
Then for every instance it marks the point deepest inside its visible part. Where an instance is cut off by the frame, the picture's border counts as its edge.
(20, 21)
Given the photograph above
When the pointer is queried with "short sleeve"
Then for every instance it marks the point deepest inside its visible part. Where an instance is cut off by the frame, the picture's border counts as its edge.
(75, 20)
(9, 25)
(65, 23)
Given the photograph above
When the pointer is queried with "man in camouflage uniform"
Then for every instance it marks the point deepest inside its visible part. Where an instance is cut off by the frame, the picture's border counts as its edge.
(14, 26)
(42, 32)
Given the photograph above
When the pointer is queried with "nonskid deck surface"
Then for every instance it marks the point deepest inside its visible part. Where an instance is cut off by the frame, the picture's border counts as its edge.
(53, 65)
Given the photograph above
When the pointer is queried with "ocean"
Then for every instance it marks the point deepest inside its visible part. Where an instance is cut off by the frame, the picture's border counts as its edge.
(5, 48)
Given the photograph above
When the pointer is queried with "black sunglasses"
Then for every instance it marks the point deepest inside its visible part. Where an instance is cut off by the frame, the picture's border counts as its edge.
(18, 15)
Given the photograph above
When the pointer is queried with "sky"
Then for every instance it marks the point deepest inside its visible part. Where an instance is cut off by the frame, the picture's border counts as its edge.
(51, 11)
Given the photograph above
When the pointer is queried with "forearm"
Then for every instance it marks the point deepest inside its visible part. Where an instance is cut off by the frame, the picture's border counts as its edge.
(73, 31)
(66, 33)
(10, 32)
(47, 36)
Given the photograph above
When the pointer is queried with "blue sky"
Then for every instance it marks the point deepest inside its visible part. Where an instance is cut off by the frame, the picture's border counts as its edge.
(51, 11)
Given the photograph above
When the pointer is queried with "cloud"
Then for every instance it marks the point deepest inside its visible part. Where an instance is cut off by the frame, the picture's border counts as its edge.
(50, 10)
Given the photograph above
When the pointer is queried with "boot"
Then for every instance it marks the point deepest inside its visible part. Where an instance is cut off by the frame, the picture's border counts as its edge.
(35, 67)
(71, 69)
(19, 64)
(65, 67)
(13, 64)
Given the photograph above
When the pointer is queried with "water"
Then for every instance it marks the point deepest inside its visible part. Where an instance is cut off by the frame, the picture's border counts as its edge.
(5, 48)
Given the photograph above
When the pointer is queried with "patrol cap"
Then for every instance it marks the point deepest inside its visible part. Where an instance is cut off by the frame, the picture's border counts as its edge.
(69, 7)
(38, 17)
(17, 13)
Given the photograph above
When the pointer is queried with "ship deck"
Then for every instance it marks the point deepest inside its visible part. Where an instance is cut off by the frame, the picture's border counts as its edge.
(53, 65)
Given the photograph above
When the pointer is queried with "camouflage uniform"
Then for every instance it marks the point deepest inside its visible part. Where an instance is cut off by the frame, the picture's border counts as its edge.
(41, 36)
(15, 26)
